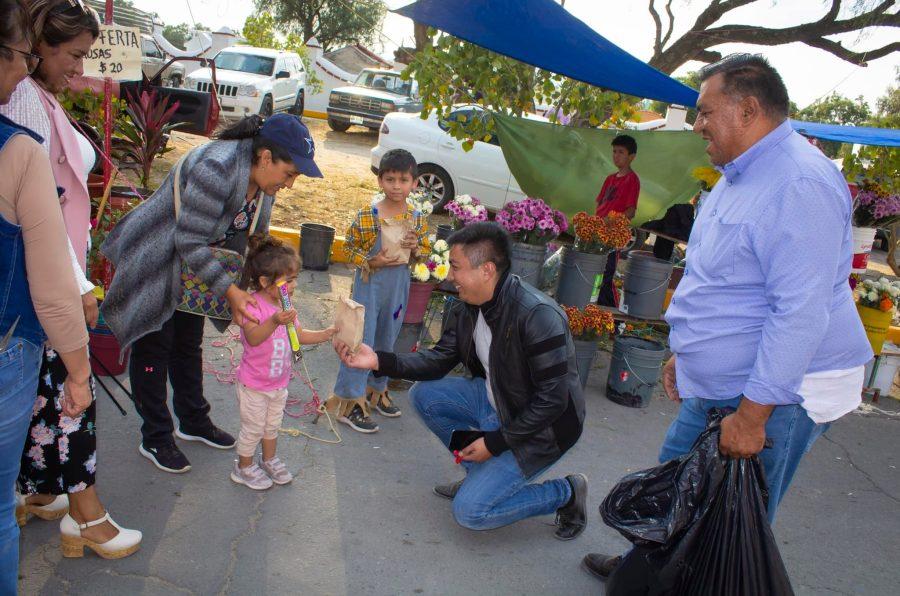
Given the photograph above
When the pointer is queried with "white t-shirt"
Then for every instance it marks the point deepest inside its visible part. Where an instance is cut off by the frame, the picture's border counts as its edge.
(830, 394)
(483, 338)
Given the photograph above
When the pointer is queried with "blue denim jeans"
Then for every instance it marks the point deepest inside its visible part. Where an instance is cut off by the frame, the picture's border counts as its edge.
(19, 366)
(495, 493)
(790, 428)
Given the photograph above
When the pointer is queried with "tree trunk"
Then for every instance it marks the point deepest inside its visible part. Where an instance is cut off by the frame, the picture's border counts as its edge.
(420, 31)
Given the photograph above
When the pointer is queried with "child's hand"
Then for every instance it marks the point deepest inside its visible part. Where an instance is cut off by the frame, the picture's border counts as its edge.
(331, 331)
(284, 317)
(380, 260)
(410, 240)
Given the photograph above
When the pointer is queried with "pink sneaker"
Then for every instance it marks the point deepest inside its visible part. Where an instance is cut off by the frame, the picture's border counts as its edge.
(251, 477)
(276, 470)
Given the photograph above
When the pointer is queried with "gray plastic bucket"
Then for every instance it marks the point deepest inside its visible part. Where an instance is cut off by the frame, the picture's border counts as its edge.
(527, 262)
(634, 371)
(580, 278)
(646, 282)
(585, 354)
(315, 246)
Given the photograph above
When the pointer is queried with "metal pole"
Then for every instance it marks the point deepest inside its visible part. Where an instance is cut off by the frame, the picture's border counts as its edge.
(107, 109)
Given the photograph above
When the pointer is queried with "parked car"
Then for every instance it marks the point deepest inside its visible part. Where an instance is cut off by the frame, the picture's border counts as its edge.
(373, 94)
(445, 169)
(254, 81)
(153, 59)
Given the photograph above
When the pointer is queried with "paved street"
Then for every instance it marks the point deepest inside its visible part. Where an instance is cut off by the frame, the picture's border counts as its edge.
(360, 517)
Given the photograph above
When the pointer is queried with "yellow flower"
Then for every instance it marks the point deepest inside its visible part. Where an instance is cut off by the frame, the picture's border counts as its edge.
(441, 271)
(421, 272)
(707, 175)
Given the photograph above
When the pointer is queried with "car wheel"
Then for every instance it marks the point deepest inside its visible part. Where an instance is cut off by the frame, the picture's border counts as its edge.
(175, 81)
(266, 110)
(299, 103)
(437, 183)
(338, 126)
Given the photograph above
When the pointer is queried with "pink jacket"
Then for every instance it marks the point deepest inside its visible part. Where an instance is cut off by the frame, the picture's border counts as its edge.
(68, 170)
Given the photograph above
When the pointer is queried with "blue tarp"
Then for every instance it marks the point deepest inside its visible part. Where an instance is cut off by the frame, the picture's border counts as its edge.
(543, 34)
(888, 137)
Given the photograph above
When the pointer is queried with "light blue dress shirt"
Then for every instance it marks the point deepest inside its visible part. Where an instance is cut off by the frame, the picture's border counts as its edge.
(765, 298)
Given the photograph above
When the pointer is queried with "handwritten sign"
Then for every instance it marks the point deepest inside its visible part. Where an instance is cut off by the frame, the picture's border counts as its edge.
(116, 54)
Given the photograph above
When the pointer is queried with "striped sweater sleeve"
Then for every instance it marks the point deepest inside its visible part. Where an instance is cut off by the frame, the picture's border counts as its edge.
(202, 201)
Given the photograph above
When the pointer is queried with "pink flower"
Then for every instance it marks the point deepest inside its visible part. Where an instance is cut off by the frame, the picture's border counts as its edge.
(63, 445)
(69, 425)
(41, 434)
(39, 404)
(91, 464)
(77, 488)
(36, 455)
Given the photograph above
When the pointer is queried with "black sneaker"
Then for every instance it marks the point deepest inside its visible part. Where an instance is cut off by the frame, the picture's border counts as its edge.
(571, 519)
(167, 458)
(358, 421)
(213, 436)
(385, 406)
(600, 566)
(448, 491)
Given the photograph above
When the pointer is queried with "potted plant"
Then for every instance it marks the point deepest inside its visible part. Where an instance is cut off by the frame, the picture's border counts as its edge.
(585, 261)
(464, 210)
(532, 224)
(424, 276)
(876, 302)
(588, 326)
(708, 176)
(873, 207)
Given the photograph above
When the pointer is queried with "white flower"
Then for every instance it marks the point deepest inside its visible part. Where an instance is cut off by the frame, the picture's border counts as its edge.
(441, 246)
(873, 297)
(464, 200)
(868, 283)
(894, 291)
(421, 272)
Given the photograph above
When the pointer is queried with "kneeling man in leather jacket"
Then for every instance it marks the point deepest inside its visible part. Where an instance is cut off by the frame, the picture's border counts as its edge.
(523, 394)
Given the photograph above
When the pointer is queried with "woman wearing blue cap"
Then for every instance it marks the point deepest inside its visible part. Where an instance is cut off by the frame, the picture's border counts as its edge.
(227, 188)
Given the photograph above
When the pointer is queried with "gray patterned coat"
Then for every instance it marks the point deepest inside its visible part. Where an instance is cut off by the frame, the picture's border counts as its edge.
(147, 246)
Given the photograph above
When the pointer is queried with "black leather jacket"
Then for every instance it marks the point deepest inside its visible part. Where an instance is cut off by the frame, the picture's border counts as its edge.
(533, 374)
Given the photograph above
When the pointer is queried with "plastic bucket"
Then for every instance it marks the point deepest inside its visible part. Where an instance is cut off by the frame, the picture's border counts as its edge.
(580, 278)
(104, 350)
(863, 239)
(634, 371)
(646, 282)
(876, 323)
(585, 354)
(527, 262)
(417, 302)
(888, 365)
(315, 246)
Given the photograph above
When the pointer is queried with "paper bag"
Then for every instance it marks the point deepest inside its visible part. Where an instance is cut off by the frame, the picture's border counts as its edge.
(350, 318)
(392, 233)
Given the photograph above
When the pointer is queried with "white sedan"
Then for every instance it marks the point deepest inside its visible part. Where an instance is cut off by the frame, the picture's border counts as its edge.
(445, 169)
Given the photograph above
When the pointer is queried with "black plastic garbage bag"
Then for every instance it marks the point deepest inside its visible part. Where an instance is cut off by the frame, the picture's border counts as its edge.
(699, 526)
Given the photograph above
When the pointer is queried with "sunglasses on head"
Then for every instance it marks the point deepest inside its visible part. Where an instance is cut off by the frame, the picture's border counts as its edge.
(69, 5)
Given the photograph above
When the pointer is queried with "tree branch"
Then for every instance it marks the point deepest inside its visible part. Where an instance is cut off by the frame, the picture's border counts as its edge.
(671, 23)
(657, 45)
(858, 58)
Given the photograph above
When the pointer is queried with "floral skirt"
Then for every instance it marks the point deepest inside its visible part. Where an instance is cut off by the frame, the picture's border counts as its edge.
(60, 454)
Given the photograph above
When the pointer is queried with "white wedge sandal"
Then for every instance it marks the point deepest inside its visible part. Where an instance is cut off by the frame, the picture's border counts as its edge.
(125, 543)
(53, 510)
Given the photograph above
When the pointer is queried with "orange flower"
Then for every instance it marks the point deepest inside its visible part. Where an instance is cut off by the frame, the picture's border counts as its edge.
(886, 304)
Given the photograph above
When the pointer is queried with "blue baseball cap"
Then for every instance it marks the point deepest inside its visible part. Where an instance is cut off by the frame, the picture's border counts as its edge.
(293, 136)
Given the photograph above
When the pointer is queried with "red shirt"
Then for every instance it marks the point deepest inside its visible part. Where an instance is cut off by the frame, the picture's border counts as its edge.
(619, 194)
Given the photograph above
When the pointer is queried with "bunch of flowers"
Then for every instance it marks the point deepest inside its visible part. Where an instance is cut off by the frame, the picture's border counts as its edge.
(874, 207)
(599, 235)
(590, 324)
(421, 202)
(464, 210)
(707, 176)
(436, 267)
(532, 221)
(883, 294)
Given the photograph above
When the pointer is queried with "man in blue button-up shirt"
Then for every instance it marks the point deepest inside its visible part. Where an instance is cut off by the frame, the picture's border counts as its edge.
(763, 320)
